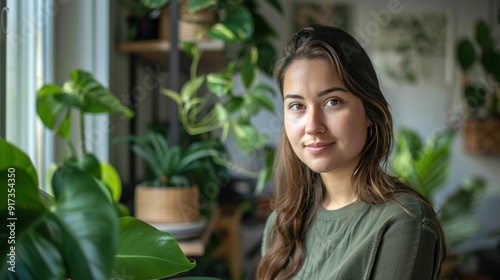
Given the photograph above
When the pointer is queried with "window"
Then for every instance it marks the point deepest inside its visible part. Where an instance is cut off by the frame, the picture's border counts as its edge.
(27, 30)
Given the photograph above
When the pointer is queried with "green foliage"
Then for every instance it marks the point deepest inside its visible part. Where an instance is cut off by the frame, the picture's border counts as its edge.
(425, 167)
(240, 22)
(481, 96)
(69, 236)
(220, 112)
(76, 234)
(85, 95)
(170, 165)
(143, 7)
(152, 258)
(82, 93)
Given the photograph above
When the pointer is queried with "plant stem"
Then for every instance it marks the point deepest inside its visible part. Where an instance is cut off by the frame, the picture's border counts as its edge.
(71, 148)
(194, 64)
(82, 132)
(233, 166)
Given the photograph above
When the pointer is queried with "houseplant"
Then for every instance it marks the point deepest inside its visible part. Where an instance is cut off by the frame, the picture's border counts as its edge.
(76, 233)
(240, 22)
(218, 112)
(425, 166)
(170, 197)
(479, 61)
(144, 18)
(83, 94)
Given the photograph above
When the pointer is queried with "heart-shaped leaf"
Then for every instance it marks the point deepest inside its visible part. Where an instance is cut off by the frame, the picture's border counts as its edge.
(156, 257)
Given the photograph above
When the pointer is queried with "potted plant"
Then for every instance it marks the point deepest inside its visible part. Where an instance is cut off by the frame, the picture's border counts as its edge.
(220, 113)
(170, 197)
(239, 23)
(76, 234)
(481, 91)
(82, 94)
(425, 166)
(144, 18)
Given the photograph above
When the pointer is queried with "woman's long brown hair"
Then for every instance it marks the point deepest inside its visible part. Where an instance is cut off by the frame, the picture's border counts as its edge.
(298, 189)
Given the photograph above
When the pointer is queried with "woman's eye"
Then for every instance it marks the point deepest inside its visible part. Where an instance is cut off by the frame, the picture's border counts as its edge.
(295, 106)
(333, 102)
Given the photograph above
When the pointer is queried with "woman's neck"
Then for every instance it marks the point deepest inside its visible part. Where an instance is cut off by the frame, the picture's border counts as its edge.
(339, 190)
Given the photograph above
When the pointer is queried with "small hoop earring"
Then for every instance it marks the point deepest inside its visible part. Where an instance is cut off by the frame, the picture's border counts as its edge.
(370, 131)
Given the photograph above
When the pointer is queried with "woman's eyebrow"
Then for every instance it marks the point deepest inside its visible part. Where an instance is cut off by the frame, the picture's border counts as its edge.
(321, 93)
(326, 91)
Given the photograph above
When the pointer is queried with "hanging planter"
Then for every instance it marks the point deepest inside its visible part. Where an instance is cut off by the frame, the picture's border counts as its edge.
(481, 92)
(482, 136)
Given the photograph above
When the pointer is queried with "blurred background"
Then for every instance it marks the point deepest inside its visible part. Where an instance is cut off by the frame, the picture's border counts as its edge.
(438, 64)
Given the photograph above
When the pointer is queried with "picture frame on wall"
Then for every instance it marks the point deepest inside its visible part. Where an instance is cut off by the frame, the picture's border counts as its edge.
(415, 48)
(307, 13)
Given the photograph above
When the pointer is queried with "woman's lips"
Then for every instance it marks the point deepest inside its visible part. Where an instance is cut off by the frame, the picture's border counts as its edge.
(318, 148)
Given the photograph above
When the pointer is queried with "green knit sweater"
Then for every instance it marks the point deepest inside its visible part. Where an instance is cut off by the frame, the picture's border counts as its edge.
(362, 241)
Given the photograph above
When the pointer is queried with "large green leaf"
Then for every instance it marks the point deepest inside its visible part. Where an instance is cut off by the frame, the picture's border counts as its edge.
(13, 158)
(249, 71)
(235, 104)
(483, 36)
(238, 25)
(466, 54)
(97, 99)
(154, 4)
(37, 257)
(267, 57)
(84, 224)
(459, 228)
(154, 257)
(53, 111)
(19, 201)
(191, 157)
(465, 199)
(219, 84)
(426, 168)
(198, 5)
(475, 97)
(260, 99)
(190, 89)
(75, 238)
(489, 62)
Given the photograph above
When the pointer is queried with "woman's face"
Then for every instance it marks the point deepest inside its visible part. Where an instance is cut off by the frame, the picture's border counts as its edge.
(325, 124)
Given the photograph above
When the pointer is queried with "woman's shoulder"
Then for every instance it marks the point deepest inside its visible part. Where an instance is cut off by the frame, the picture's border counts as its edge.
(409, 206)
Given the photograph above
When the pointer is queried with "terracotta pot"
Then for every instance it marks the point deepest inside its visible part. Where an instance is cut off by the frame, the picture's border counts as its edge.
(482, 136)
(166, 204)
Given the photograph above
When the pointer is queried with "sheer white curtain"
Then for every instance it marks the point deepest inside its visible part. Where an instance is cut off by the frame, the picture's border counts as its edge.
(28, 29)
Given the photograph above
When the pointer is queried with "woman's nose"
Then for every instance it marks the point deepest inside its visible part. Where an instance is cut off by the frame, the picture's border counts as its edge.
(315, 122)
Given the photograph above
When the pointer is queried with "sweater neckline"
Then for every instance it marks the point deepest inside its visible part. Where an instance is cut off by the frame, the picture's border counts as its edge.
(351, 208)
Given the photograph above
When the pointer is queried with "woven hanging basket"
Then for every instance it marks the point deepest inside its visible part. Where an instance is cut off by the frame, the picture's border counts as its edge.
(482, 136)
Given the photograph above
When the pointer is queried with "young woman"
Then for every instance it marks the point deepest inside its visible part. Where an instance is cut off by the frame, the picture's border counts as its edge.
(337, 213)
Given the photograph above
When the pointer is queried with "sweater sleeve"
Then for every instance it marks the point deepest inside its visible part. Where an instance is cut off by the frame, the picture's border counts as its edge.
(265, 239)
(408, 249)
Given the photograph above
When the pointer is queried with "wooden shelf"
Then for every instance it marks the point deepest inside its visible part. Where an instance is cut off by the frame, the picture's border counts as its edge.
(163, 46)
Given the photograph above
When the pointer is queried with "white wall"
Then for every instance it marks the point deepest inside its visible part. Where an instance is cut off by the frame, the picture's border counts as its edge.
(82, 42)
(425, 108)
